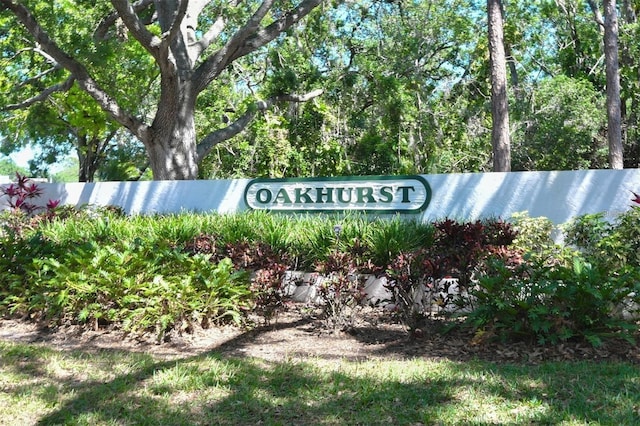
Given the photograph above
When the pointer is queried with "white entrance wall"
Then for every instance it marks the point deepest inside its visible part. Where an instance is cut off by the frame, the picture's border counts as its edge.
(557, 195)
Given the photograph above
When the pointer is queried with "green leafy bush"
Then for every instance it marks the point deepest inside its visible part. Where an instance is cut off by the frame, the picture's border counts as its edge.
(142, 288)
(534, 234)
(588, 290)
(553, 303)
(159, 273)
(610, 244)
(18, 252)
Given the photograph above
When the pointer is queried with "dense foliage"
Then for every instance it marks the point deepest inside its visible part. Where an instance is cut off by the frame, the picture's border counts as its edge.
(155, 274)
(398, 96)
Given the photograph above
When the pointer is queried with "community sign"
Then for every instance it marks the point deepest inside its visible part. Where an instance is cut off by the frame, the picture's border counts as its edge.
(382, 194)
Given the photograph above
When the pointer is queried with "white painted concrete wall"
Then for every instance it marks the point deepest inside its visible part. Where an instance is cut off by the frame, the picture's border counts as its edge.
(559, 195)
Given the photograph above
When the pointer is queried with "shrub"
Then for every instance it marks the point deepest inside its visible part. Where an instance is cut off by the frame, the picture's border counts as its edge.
(314, 240)
(627, 230)
(18, 252)
(141, 288)
(419, 281)
(534, 235)
(553, 303)
(610, 244)
(341, 291)
(268, 267)
(411, 276)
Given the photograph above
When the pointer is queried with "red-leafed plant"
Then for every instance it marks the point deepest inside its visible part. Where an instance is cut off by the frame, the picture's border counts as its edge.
(20, 195)
(419, 281)
(268, 267)
(341, 291)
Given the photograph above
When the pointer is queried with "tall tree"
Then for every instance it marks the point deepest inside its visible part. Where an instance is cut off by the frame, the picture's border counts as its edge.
(614, 108)
(630, 82)
(190, 43)
(386, 109)
(499, 101)
(58, 124)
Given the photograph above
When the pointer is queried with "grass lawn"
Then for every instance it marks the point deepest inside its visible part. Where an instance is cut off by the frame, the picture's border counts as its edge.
(40, 385)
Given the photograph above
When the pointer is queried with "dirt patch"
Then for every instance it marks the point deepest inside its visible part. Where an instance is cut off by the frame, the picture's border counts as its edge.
(299, 335)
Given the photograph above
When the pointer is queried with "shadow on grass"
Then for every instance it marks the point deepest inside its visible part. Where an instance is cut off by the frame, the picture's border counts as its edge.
(115, 387)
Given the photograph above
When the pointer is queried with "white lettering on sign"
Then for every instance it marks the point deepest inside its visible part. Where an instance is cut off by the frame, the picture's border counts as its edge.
(409, 194)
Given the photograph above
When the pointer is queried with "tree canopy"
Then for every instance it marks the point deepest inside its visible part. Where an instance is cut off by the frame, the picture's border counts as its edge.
(216, 88)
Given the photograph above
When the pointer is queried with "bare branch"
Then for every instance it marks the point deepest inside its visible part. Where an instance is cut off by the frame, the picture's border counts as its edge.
(39, 76)
(55, 66)
(62, 87)
(236, 127)
(295, 98)
(207, 38)
(216, 28)
(597, 15)
(251, 27)
(272, 31)
(248, 39)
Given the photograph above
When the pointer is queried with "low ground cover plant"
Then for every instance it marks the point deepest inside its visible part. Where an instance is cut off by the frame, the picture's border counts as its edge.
(154, 274)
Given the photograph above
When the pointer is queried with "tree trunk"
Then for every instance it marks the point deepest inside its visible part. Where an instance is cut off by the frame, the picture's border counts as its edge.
(90, 151)
(87, 159)
(172, 147)
(499, 101)
(614, 131)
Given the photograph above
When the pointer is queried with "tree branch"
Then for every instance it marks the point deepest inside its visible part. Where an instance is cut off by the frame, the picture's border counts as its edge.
(207, 38)
(266, 35)
(236, 127)
(61, 87)
(174, 27)
(251, 27)
(597, 15)
(39, 76)
(149, 42)
(248, 39)
(77, 70)
(101, 30)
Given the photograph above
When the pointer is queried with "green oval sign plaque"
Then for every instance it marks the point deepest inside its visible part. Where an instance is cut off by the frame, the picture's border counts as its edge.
(382, 194)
